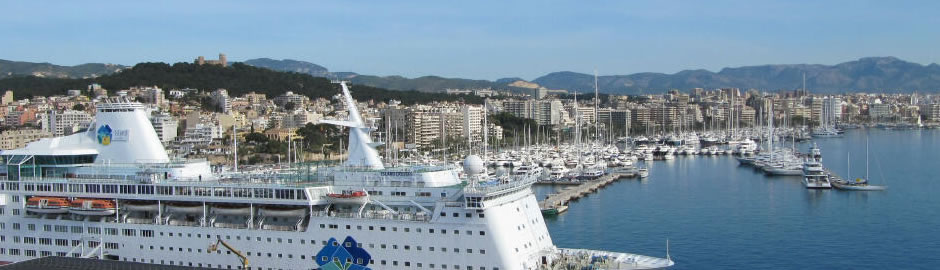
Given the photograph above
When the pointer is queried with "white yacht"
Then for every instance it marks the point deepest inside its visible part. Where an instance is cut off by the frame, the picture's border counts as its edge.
(113, 193)
(814, 175)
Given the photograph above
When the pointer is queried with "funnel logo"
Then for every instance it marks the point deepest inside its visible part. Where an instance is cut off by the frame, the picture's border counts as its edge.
(343, 256)
(104, 135)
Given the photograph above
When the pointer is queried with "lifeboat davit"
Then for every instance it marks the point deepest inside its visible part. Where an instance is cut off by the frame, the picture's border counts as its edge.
(283, 212)
(231, 210)
(92, 207)
(356, 197)
(47, 205)
(185, 209)
(142, 206)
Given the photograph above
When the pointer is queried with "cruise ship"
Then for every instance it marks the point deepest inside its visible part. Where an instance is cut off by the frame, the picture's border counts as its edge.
(113, 193)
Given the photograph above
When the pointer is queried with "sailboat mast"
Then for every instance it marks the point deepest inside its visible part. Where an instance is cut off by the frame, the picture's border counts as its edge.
(596, 100)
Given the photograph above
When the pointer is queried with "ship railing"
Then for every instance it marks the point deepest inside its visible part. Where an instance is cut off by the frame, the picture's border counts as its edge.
(454, 204)
(503, 186)
(377, 215)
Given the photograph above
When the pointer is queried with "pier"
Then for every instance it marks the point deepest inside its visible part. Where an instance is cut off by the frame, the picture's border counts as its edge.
(557, 203)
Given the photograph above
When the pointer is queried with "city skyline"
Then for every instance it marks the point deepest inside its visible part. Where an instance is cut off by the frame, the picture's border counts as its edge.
(523, 39)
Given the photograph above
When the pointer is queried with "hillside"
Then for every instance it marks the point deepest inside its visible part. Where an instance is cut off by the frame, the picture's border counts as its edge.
(237, 79)
(17, 68)
(423, 84)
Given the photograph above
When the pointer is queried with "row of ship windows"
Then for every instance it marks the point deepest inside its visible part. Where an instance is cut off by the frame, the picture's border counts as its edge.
(371, 262)
(467, 215)
(263, 193)
(150, 233)
(291, 256)
(395, 229)
(403, 194)
(109, 245)
(58, 242)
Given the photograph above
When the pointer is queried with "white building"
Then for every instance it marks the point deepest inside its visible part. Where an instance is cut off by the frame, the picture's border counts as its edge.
(166, 126)
(290, 97)
(221, 100)
(65, 123)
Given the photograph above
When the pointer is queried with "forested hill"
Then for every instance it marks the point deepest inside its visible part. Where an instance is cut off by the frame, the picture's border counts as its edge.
(238, 79)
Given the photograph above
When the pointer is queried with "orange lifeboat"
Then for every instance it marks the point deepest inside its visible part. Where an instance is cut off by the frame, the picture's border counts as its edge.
(93, 207)
(47, 205)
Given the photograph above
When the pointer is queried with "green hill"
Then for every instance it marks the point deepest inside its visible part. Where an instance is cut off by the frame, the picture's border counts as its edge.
(237, 79)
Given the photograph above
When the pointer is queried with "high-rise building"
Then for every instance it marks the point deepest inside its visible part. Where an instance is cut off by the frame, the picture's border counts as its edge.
(166, 126)
(221, 100)
(472, 122)
(66, 122)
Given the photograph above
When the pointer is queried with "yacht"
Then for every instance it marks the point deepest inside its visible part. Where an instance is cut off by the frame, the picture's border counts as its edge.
(113, 193)
(814, 175)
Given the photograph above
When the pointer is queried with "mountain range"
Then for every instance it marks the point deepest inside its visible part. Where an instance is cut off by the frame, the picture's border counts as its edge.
(870, 74)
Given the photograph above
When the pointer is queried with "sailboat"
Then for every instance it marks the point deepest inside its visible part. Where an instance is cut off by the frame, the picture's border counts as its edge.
(859, 184)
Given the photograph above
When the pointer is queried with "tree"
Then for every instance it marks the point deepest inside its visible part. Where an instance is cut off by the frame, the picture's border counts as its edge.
(290, 106)
(320, 134)
(78, 107)
(257, 138)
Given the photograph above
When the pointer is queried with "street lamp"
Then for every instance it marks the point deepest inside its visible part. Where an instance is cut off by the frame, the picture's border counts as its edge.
(323, 146)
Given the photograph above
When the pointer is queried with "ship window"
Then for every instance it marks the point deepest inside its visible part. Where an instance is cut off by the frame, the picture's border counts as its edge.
(456, 214)
(443, 214)
(481, 215)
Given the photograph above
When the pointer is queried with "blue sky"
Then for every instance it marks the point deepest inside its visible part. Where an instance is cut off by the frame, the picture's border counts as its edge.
(474, 39)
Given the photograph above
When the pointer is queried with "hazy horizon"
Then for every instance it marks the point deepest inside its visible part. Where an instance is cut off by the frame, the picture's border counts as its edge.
(478, 40)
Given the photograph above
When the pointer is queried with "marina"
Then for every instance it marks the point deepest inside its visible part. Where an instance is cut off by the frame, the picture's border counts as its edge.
(714, 202)
(557, 203)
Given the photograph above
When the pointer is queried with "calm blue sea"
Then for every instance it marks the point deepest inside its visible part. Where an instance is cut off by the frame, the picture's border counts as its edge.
(719, 215)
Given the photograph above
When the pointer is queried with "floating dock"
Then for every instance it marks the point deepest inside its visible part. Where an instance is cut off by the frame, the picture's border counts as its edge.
(557, 203)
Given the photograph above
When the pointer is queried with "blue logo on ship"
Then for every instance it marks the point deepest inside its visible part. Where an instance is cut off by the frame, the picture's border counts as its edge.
(104, 135)
(343, 256)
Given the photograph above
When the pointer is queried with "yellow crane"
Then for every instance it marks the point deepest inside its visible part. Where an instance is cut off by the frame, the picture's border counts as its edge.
(214, 247)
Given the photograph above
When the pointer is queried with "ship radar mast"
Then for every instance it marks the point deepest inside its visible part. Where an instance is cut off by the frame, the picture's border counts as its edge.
(361, 150)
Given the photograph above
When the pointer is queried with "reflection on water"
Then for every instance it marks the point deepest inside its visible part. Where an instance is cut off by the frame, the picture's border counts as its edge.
(719, 215)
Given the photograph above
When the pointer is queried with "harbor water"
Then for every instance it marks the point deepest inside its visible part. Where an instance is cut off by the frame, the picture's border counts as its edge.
(719, 215)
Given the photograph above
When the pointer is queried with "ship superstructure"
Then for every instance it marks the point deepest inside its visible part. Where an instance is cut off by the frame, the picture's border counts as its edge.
(113, 193)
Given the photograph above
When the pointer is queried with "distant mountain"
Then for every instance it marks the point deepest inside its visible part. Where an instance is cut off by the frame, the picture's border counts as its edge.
(288, 65)
(47, 70)
(876, 74)
(872, 74)
(424, 84)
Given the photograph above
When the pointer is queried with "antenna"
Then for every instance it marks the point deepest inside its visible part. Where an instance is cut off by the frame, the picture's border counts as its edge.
(596, 100)
(235, 143)
(804, 84)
